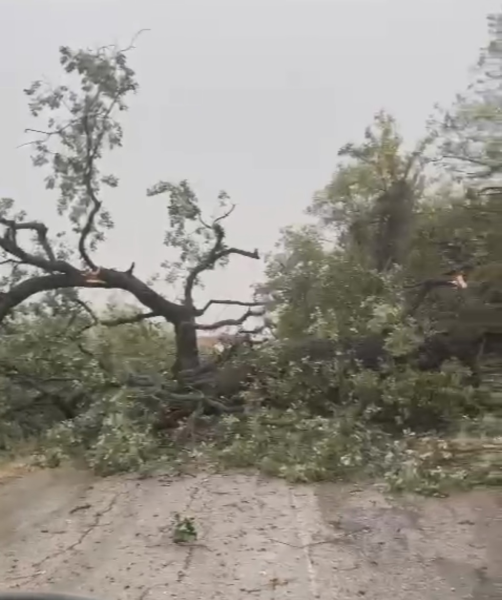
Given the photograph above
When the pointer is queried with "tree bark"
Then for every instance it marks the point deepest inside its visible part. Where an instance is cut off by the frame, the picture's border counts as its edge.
(187, 350)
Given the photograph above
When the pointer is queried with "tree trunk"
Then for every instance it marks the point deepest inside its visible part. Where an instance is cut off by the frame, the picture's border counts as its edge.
(187, 350)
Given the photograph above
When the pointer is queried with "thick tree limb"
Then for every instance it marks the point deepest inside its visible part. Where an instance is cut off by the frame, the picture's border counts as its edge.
(231, 322)
(63, 275)
(111, 279)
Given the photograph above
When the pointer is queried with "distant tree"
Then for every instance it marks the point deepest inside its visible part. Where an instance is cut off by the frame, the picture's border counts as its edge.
(372, 196)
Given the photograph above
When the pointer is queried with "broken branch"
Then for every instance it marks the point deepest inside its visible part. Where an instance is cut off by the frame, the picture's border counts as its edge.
(455, 280)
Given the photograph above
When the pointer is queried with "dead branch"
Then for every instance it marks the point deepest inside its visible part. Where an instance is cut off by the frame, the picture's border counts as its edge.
(218, 219)
(128, 48)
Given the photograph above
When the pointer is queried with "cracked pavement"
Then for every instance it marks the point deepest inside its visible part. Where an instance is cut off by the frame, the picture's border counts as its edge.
(258, 538)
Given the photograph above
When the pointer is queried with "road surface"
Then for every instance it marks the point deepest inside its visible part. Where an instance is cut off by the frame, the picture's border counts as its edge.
(258, 538)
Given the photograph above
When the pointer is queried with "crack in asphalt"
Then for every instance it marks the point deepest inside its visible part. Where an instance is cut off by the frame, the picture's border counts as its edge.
(97, 517)
(182, 573)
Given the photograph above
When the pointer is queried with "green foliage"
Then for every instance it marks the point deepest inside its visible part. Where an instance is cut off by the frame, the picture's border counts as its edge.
(63, 390)
(145, 348)
(80, 125)
(114, 435)
(184, 530)
(368, 170)
(472, 141)
(44, 378)
(298, 446)
(372, 433)
(372, 196)
(313, 290)
(189, 234)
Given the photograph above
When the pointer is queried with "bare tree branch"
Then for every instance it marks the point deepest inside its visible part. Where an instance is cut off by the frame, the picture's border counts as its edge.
(131, 45)
(48, 263)
(10, 261)
(86, 308)
(217, 252)
(199, 312)
(231, 322)
(489, 169)
(137, 318)
(218, 219)
(254, 331)
(39, 228)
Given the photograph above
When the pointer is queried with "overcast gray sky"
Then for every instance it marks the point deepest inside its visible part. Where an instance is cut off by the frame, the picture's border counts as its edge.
(252, 96)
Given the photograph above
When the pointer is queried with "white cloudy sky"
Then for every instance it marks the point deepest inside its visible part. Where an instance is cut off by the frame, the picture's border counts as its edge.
(253, 96)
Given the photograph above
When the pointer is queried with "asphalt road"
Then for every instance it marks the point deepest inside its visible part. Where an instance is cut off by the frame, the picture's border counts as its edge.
(257, 538)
